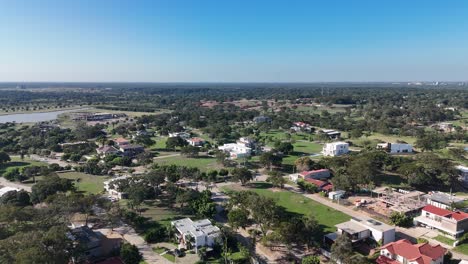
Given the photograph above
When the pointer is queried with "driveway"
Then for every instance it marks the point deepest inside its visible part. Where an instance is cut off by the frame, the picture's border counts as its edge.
(7, 183)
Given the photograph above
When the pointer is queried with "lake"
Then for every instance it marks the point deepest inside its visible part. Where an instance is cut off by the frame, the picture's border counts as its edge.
(35, 117)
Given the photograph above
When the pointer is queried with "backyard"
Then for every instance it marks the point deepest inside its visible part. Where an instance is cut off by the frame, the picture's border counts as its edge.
(297, 203)
(203, 163)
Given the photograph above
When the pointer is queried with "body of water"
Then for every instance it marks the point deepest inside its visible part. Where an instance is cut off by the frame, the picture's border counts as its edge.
(35, 117)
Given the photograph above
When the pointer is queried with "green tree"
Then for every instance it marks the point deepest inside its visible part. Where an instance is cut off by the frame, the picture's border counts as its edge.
(4, 158)
(311, 260)
(276, 179)
(238, 218)
(242, 174)
(303, 164)
(130, 254)
(342, 250)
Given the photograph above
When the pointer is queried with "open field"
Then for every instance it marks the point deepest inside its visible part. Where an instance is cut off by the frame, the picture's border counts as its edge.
(44, 110)
(16, 162)
(296, 203)
(318, 109)
(202, 163)
(85, 182)
(158, 211)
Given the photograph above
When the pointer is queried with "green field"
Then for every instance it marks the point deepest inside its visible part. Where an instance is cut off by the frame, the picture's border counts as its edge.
(463, 248)
(16, 162)
(86, 182)
(444, 240)
(202, 163)
(297, 203)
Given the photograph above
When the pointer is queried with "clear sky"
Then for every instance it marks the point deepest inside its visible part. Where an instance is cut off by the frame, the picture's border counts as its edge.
(233, 40)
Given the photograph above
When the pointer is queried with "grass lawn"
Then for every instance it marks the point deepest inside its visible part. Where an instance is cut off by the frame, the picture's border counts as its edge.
(16, 162)
(202, 163)
(86, 182)
(389, 138)
(159, 250)
(169, 257)
(296, 203)
(463, 248)
(160, 143)
(444, 240)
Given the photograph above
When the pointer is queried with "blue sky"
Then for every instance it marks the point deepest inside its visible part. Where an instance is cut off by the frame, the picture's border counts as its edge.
(233, 41)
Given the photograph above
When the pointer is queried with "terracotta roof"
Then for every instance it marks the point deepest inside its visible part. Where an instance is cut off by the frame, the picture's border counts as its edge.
(421, 253)
(385, 260)
(305, 173)
(328, 187)
(197, 139)
(121, 140)
(458, 216)
(315, 182)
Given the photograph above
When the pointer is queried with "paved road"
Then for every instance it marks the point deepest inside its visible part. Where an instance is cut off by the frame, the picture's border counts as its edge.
(5, 182)
(167, 156)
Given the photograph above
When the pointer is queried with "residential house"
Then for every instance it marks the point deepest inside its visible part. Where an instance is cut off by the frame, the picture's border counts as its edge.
(248, 142)
(131, 150)
(362, 229)
(240, 149)
(121, 141)
(332, 134)
(313, 174)
(95, 245)
(301, 126)
(324, 186)
(262, 119)
(394, 148)
(404, 252)
(444, 127)
(196, 234)
(113, 190)
(463, 173)
(451, 223)
(335, 149)
(107, 151)
(442, 200)
(182, 135)
(196, 141)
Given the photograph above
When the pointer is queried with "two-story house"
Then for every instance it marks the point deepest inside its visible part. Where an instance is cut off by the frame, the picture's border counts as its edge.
(404, 252)
(452, 223)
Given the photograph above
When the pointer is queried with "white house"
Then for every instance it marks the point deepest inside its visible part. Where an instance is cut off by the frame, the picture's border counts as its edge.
(365, 228)
(183, 135)
(236, 150)
(405, 252)
(335, 149)
(196, 141)
(394, 148)
(196, 234)
(463, 173)
(112, 190)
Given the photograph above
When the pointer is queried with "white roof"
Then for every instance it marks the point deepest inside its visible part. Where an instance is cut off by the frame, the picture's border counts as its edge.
(462, 168)
(337, 143)
(196, 228)
(7, 189)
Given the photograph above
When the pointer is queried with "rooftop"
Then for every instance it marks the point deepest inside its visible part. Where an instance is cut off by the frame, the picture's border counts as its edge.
(443, 198)
(196, 228)
(422, 253)
(457, 216)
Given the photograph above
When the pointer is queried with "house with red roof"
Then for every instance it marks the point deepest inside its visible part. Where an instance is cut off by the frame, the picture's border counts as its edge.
(405, 252)
(121, 141)
(454, 223)
(321, 185)
(196, 141)
(315, 174)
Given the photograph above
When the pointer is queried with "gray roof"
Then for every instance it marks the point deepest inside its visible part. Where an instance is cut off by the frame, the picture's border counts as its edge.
(443, 198)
